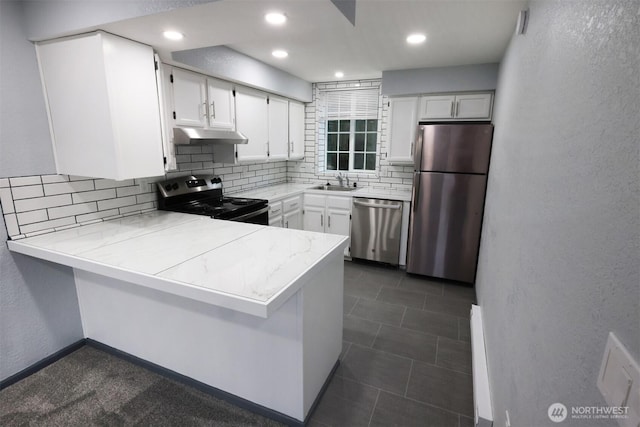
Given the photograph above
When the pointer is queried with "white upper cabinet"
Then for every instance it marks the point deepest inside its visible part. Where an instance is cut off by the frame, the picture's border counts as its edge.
(103, 106)
(468, 106)
(474, 106)
(278, 128)
(296, 130)
(252, 120)
(221, 104)
(189, 98)
(437, 107)
(403, 122)
(201, 101)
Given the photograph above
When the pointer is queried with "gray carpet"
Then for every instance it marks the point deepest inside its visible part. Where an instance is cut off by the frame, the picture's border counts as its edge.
(91, 387)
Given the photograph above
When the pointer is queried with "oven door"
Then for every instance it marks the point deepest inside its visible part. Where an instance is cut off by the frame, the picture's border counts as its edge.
(260, 216)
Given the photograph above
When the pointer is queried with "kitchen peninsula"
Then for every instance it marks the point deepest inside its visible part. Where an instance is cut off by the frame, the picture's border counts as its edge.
(251, 310)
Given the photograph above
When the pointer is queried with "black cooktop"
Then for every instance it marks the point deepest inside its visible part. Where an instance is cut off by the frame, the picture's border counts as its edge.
(203, 196)
(218, 208)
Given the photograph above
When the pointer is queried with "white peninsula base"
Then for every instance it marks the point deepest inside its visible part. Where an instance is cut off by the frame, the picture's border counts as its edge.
(280, 362)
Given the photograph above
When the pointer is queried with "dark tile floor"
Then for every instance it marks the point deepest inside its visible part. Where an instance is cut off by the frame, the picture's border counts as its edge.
(406, 358)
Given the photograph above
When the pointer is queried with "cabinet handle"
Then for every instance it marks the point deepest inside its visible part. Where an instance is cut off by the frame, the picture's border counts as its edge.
(412, 148)
(321, 221)
(205, 108)
(457, 107)
(329, 218)
(452, 108)
(213, 110)
(286, 224)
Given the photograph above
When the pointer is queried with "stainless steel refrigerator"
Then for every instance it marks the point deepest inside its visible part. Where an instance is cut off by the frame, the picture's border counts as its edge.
(449, 182)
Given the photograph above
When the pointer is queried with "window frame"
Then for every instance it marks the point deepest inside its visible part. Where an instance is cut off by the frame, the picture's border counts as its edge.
(352, 152)
(323, 120)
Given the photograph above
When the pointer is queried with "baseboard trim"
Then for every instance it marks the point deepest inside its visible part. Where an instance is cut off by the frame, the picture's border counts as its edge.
(215, 392)
(41, 364)
(322, 390)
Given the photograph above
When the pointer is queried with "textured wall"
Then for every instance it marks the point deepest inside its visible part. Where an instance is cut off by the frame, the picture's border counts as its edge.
(559, 258)
(228, 64)
(463, 78)
(25, 143)
(38, 303)
(52, 18)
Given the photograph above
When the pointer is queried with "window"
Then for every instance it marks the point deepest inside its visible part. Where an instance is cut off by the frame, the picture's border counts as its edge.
(352, 130)
(352, 144)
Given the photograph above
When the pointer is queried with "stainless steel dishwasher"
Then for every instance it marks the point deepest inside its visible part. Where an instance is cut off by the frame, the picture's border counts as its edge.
(375, 229)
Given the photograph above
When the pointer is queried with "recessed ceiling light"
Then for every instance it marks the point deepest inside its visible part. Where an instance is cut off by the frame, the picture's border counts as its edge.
(275, 18)
(416, 38)
(280, 53)
(339, 74)
(173, 35)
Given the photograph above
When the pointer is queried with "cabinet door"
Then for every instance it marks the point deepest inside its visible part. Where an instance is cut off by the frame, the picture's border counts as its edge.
(222, 105)
(473, 106)
(102, 103)
(296, 130)
(189, 98)
(339, 222)
(437, 107)
(313, 219)
(252, 121)
(292, 219)
(275, 221)
(278, 128)
(403, 122)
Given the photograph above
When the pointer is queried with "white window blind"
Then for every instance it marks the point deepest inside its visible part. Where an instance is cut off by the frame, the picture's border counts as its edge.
(352, 104)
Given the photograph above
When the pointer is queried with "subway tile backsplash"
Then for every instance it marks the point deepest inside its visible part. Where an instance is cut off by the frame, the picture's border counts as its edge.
(39, 204)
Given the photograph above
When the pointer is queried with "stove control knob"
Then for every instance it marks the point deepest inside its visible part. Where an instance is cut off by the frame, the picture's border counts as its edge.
(175, 186)
(167, 187)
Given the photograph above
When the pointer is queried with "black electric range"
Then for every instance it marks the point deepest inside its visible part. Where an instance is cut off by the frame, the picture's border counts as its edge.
(203, 196)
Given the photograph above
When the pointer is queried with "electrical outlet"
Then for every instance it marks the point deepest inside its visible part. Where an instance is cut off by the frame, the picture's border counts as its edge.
(507, 421)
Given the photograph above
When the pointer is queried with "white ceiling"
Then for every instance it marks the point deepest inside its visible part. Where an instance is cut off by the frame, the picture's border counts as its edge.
(320, 40)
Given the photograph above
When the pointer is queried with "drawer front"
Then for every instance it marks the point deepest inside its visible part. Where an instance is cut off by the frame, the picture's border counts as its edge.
(339, 202)
(314, 200)
(292, 204)
(275, 209)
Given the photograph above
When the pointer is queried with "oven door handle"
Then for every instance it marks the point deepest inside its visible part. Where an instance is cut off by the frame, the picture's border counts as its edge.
(251, 214)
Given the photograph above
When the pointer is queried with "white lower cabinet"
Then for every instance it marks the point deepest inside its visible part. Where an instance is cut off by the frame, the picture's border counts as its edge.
(328, 214)
(286, 213)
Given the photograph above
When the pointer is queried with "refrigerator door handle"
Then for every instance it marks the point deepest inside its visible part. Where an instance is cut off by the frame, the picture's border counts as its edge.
(416, 191)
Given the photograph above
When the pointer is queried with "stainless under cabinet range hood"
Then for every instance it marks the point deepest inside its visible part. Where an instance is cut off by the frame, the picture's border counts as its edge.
(194, 136)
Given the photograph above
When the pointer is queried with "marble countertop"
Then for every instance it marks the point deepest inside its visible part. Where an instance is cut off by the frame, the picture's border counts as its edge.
(280, 191)
(243, 267)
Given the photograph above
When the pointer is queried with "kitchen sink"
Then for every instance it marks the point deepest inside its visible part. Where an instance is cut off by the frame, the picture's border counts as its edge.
(333, 188)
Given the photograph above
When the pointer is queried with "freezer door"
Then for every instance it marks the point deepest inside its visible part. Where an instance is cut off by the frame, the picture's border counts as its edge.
(446, 217)
(461, 148)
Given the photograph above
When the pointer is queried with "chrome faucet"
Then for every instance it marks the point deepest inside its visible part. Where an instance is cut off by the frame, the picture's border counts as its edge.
(340, 179)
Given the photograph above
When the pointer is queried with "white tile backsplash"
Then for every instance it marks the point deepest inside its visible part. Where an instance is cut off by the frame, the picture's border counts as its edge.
(68, 187)
(71, 210)
(25, 180)
(36, 204)
(32, 216)
(92, 196)
(27, 192)
(6, 200)
(12, 224)
(42, 202)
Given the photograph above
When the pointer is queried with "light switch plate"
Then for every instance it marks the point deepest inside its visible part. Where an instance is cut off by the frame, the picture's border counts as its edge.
(619, 381)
